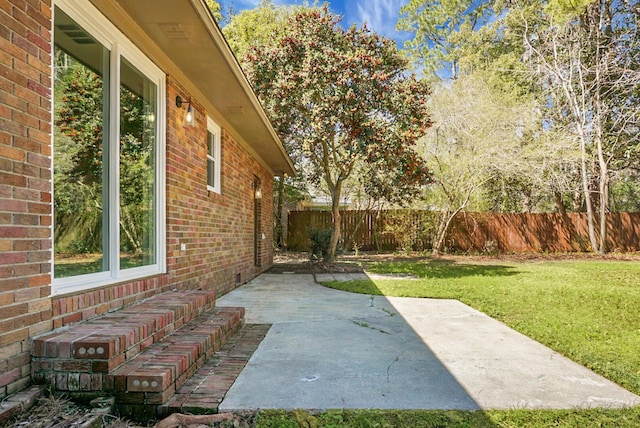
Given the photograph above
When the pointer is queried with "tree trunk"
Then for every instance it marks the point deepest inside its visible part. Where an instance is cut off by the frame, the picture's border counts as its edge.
(526, 201)
(335, 223)
(586, 189)
(603, 181)
(577, 202)
(603, 185)
(279, 238)
(441, 233)
(128, 227)
(604, 199)
(443, 228)
(557, 196)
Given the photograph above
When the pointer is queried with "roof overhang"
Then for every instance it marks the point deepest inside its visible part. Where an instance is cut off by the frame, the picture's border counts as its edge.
(183, 39)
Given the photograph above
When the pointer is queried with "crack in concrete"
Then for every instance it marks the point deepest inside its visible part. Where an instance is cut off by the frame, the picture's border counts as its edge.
(366, 325)
(392, 363)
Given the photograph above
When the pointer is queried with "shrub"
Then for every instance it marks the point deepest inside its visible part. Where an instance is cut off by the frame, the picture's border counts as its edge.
(408, 229)
(320, 243)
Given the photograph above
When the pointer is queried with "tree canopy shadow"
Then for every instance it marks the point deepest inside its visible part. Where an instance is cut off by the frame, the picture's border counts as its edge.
(442, 268)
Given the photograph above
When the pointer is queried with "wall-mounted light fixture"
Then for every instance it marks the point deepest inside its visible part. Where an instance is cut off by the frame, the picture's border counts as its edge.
(257, 189)
(189, 117)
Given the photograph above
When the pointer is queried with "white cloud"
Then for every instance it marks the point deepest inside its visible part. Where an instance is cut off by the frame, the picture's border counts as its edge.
(381, 16)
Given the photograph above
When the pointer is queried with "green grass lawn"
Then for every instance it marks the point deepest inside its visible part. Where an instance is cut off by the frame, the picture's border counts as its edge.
(629, 418)
(67, 265)
(588, 310)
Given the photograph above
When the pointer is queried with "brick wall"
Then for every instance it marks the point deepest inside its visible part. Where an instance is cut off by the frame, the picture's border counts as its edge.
(217, 229)
(25, 184)
(81, 306)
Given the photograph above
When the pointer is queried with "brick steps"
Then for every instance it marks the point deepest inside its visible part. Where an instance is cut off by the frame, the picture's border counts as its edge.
(141, 355)
(203, 392)
(155, 375)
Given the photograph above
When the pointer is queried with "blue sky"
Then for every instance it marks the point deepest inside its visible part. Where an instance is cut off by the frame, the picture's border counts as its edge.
(381, 16)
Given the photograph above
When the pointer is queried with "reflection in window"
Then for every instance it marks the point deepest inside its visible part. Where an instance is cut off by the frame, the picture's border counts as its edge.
(106, 199)
(81, 151)
(214, 160)
(137, 172)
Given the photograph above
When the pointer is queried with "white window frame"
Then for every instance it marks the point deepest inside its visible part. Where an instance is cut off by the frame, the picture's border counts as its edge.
(216, 131)
(92, 21)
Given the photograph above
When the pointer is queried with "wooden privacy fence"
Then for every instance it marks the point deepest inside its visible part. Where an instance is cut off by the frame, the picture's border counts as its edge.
(475, 232)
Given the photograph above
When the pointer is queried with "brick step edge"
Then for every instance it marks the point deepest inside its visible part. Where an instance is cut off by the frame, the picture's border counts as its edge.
(203, 392)
(155, 375)
(75, 358)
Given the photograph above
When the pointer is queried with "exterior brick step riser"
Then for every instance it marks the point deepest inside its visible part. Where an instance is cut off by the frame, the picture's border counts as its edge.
(143, 353)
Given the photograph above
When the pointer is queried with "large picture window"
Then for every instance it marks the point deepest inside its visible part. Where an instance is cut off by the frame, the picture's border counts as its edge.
(108, 144)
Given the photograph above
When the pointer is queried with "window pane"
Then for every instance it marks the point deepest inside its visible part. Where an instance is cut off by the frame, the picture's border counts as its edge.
(211, 142)
(211, 161)
(211, 173)
(81, 97)
(138, 111)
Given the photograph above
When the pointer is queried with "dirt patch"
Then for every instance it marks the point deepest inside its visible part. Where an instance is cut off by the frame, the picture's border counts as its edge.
(60, 412)
(55, 411)
(285, 263)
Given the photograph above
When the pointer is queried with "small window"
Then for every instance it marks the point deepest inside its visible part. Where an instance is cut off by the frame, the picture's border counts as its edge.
(214, 160)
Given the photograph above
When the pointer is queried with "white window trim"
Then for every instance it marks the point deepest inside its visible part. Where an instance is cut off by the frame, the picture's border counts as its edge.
(92, 21)
(215, 129)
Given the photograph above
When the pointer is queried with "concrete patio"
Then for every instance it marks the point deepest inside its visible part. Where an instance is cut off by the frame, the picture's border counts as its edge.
(330, 349)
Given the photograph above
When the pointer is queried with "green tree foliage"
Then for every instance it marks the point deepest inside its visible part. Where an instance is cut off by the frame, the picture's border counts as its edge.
(441, 30)
(214, 7)
(480, 136)
(575, 63)
(565, 10)
(263, 26)
(342, 99)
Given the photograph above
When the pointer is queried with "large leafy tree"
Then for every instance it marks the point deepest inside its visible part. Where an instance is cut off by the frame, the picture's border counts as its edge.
(214, 7)
(265, 26)
(342, 100)
(576, 63)
(481, 135)
(585, 57)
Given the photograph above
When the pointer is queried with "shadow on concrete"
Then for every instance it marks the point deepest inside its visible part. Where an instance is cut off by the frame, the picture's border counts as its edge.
(329, 349)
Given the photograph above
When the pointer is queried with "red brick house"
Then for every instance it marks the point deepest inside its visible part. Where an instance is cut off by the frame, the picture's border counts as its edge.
(108, 195)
